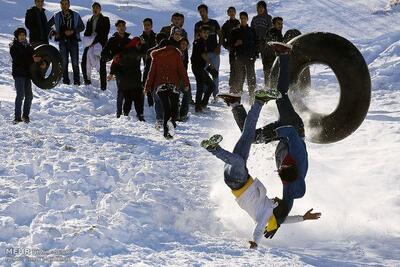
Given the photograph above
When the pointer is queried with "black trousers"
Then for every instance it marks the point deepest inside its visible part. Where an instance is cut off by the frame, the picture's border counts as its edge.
(170, 101)
(244, 69)
(127, 96)
(204, 87)
(232, 74)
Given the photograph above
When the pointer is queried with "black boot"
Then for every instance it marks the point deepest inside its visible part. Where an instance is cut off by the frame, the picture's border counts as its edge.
(26, 119)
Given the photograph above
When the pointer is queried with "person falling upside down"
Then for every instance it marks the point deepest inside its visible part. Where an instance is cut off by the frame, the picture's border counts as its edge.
(250, 193)
(291, 154)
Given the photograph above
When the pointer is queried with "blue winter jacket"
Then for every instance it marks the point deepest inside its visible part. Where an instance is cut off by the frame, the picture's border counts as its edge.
(291, 143)
(78, 25)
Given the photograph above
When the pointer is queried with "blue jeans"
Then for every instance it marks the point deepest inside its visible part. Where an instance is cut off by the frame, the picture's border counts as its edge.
(23, 86)
(236, 173)
(67, 49)
(215, 60)
(287, 114)
(186, 98)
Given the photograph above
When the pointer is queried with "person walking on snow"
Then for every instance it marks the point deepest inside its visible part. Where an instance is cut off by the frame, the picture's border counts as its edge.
(250, 193)
(291, 153)
(166, 74)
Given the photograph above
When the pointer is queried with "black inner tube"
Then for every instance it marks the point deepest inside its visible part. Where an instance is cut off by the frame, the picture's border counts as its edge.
(353, 76)
(52, 58)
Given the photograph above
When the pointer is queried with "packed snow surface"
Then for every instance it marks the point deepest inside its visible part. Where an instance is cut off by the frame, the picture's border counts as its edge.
(110, 191)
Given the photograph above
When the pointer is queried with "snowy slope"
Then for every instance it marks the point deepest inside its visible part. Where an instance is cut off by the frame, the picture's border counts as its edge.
(114, 192)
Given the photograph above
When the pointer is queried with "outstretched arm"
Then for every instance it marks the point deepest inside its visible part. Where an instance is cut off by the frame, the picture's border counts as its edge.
(299, 218)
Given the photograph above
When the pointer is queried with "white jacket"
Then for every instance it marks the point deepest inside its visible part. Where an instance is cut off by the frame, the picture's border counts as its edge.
(255, 202)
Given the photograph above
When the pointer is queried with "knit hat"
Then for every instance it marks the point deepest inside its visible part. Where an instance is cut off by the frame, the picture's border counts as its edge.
(119, 21)
(176, 29)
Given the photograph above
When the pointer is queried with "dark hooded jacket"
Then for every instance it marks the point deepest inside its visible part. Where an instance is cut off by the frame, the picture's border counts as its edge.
(22, 58)
(227, 29)
(248, 36)
(36, 23)
(115, 45)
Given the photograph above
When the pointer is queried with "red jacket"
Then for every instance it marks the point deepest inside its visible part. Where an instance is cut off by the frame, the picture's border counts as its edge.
(166, 67)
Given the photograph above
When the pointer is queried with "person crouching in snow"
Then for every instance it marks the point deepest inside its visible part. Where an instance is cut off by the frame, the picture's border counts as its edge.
(126, 68)
(23, 57)
(166, 73)
(250, 193)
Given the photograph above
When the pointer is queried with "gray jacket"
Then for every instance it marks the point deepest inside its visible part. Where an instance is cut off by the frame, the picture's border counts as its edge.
(261, 23)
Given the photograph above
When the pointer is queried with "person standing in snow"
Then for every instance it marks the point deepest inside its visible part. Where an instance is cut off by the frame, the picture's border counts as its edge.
(261, 24)
(22, 58)
(200, 61)
(251, 195)
(244, 46)
(166, 73)
(149, 38)
(214, 42)
(96, 33)
(291, 155)
(36, 23)
(68, 25)
(126, 68)
(186, 94)
(226, 31)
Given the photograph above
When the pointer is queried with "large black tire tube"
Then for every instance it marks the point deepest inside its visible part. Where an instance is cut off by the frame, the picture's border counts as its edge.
(52, 57)
(353, 76)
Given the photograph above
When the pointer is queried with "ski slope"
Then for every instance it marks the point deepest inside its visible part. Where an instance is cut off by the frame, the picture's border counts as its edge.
(114, 192)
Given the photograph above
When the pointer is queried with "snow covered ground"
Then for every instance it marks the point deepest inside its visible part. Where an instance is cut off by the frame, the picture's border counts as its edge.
(109, 191)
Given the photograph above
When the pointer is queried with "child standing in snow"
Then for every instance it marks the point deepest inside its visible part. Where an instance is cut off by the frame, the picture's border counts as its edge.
(126, 68)
(22, 58)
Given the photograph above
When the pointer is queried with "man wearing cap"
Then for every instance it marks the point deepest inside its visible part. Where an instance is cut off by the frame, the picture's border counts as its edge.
(96, 32)
(261, 24)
